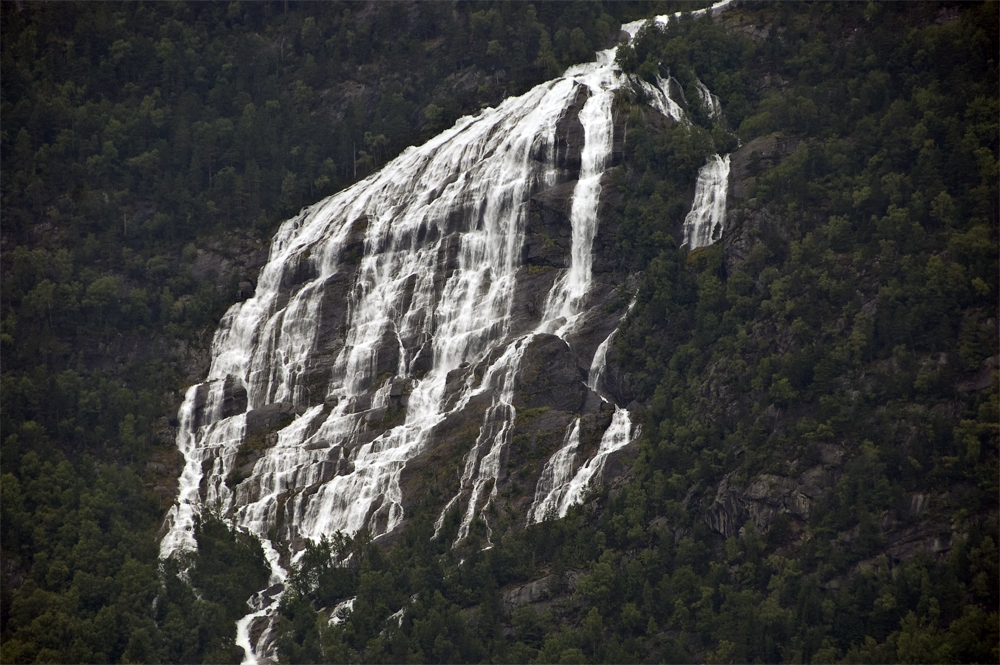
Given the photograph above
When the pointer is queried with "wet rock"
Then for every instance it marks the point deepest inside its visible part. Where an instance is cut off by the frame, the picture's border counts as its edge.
(548, 232)
(387, 354)
(329, 335)
(234, 400)
(448, 253)
(298, 269)
(439, 465)
(354, 245)
(616, 467)
(614, 381)
(270, 417)
(530, 292)
(605, 242)
(535, 437)
(422, 360)
(550, 376)
(569, 137)
(676, 92)
(200, 402)
(245, 291)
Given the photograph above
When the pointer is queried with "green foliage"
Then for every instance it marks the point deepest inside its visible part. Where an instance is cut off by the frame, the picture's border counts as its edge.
(854, 323)
(850, 328)
(83, 537)
(230, 566)
(131, 134)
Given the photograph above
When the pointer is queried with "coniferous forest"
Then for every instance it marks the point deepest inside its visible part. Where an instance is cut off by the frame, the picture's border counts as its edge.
(848, 324)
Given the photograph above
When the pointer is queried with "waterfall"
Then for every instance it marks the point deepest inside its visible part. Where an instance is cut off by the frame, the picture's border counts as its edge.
(711, 102)
(559, 487)
(460, 200)
(565, 301)
(600, 361)
(387, 309)
(556, 477)
(704, 224)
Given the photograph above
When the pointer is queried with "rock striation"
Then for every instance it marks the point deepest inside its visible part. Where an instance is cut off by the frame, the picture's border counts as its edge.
(442, 324)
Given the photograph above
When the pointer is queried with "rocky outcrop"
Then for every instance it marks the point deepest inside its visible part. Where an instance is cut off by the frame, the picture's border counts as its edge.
(767, 495)
(540, 591)
(549, 376)
(569, 136)
(753, 158)
(747, 223)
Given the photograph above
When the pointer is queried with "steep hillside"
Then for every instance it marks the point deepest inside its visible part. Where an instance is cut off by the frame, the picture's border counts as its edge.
(817, 475)
(802, 399)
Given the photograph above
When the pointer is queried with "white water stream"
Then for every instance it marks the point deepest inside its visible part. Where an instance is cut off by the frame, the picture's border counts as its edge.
(704, 224)
(420, 258)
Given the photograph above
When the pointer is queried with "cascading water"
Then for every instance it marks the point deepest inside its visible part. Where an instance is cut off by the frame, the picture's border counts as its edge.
(560, 484)
(704, 224)
(565, 301)
(708, 100)
(481, 171)
(559, 487)
(383, 311)
(553, 484)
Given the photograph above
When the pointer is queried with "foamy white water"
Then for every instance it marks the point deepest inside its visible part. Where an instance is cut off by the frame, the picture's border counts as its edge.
(560, 486)
(705, 223)
(419, 260)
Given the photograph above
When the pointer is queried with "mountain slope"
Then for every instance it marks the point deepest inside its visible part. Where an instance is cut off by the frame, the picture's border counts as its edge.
(817, 473)
(817, 477)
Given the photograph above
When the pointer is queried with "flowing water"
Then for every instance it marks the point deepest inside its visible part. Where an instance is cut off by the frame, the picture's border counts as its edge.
(704, 224)
(372, 302)
(560, 485)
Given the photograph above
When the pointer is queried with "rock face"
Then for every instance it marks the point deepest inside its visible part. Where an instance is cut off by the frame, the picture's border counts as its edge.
(755, 157)
(767, 496)
(435, 325)
(747, 224)
(435, 332)
(549, 376)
